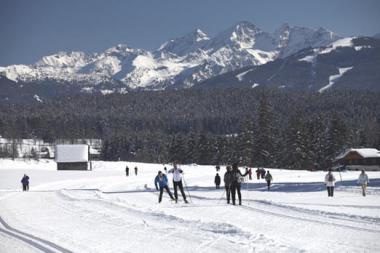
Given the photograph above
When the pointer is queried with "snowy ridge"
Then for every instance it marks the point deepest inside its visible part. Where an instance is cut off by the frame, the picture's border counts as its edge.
(183, 61)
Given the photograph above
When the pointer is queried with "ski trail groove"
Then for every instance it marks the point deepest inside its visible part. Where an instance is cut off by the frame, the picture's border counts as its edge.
(328, 215)
(28, 238)
(308, 219)
(215, 230)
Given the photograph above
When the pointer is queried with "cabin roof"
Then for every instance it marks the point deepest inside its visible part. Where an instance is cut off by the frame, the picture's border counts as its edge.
(71, 153)
(363, 152)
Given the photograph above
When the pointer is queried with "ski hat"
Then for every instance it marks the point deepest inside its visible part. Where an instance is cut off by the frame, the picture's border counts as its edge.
(159, 172)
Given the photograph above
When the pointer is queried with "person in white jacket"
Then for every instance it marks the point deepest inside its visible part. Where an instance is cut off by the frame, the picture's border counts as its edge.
(363, 182)
(177, 182)
(330, 183)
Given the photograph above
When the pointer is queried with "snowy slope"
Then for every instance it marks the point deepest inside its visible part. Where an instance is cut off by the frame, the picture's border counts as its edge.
(104, 211)
(182, 61)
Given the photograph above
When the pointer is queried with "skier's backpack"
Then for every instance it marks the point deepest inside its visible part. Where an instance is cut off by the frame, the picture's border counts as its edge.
(330, 178)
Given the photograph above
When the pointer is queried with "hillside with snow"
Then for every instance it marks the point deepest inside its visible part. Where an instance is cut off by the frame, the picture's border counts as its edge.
(180, 62)
(348, 63)
(105, 211)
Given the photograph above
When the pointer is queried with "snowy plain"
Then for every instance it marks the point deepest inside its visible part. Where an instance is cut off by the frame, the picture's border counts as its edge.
(104, 211)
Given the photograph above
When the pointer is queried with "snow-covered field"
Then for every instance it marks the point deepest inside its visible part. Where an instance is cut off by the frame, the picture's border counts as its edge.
(105, 211)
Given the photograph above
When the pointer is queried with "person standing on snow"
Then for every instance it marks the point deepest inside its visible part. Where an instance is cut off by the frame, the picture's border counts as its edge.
(136, 170)
(25, 183)
(263, 173)
(363, 182)
(237, 178)
(330, 183)
(161, 183)
(217, 181)
(250, 173)
(228, 182)
(177, 182)
(127, 171)
(258, 173)
(268, 178)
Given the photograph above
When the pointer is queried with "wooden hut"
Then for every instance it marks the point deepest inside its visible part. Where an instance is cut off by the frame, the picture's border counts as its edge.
(359, 158)
(72, 157)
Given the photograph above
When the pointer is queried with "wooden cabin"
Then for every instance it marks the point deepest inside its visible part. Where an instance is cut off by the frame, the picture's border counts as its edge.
(72, 157)
(360, 158)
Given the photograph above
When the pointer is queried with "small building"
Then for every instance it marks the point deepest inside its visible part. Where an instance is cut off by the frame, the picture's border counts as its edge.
(72, 157)
(359, 158)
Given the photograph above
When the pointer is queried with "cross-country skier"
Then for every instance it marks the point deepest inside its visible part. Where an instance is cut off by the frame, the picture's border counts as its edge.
(268, 178)
(25, 183)
(363, 182)
(136, 170)
(217, 181)
(161, 183)
(237, 178)
(177, 182)
(228, 182)
(330, 183)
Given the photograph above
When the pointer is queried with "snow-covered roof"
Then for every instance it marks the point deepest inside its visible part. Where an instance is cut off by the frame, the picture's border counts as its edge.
(71, 153)
(364, 152)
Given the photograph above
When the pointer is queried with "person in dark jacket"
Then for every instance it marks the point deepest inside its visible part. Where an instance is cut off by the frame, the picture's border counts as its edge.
(236, 182)
(227, 182)
(136, 170)
(263, 173)
(250, 173)
(268, 178)
(127, 171)
(217, 181)
(258, 173)
(25, 183)
(161, 183)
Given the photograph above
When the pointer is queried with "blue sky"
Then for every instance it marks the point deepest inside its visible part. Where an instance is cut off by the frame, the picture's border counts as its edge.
(31, 29)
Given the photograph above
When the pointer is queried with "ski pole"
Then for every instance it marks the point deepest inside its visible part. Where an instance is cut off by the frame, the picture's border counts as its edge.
(221, 197)
(184, 181)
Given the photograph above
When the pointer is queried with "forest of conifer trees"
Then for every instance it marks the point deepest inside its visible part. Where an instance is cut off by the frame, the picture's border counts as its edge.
(258, 127)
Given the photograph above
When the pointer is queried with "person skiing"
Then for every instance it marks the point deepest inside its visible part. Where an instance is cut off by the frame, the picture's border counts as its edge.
(217, 181)
(136, 170)
(25, 183)
(217, 167)
(268, 178)
(127, 171)
(177, 182)
(330, 183)
(228, 182)
(161, 183)
(363, 182)
(165, 169)
(237, 178)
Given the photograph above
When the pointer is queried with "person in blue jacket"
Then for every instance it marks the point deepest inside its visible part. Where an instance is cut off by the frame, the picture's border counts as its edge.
(161, 183)
(25, 183)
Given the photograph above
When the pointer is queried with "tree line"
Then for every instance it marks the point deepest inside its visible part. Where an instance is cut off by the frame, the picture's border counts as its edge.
(258, 127)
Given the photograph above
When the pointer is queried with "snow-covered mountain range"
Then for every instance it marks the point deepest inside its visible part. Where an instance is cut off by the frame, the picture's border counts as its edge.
(180, 62)
(348, 63)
